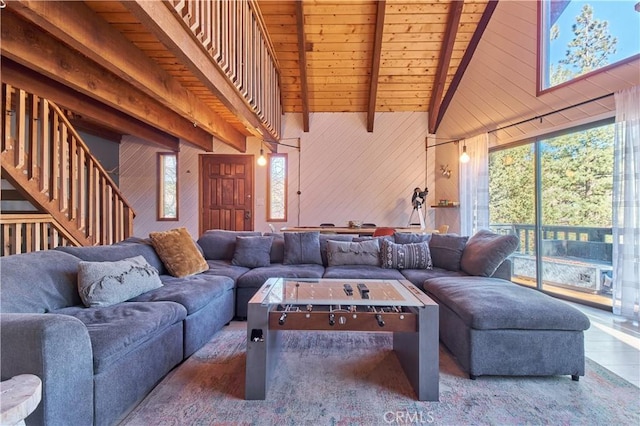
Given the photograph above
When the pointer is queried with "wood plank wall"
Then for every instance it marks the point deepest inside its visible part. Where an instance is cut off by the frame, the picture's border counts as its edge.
(345, 173)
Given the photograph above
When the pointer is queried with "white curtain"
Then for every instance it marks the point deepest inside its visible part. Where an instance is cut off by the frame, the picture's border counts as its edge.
(626, 205)
(474, 185)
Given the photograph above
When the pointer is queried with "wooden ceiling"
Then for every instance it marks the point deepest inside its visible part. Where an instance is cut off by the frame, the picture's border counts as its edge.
(333, 56)
(369, 56)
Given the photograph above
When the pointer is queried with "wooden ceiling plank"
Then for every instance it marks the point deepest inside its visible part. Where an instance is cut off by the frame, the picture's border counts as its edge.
(302, 58)
(37, 50)
(81, 28)
(453, 20)
(375, 64)
(468, 54)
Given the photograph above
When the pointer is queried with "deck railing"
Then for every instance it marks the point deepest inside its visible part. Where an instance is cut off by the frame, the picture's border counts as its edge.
(233, 34)
(43, 155)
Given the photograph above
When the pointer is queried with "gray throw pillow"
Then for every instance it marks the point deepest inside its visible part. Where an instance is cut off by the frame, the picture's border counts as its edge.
(446, 251)
(108, 283)
(350, 253)
(302, 248)
(252, 252)
(485, 251)
(405, 256)
(411, 238)
(324, 238)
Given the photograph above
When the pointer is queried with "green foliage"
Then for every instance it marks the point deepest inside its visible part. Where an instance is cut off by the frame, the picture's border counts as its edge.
(576, 168)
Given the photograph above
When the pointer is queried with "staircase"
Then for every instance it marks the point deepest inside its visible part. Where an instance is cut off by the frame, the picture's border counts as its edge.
(46, 161)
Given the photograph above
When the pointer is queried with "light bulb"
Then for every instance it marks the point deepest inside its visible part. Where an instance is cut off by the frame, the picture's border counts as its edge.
(261, 160)
(464, 158)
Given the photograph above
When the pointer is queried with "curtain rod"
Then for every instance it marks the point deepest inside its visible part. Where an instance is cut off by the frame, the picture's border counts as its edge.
(539, 117)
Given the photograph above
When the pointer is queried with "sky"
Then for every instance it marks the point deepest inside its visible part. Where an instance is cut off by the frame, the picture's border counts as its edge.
(624, 24)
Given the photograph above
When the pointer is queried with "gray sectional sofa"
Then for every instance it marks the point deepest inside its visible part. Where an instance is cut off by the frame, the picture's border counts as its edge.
(98, 362)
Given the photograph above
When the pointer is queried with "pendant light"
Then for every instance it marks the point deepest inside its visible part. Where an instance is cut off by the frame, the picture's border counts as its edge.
(464, 158)
(262, 161)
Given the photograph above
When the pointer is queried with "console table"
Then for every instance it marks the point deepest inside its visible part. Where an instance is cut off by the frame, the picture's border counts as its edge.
(354, 230)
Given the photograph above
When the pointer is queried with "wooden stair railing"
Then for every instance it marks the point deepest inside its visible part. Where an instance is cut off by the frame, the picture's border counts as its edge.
(24, 233)
(46, 160)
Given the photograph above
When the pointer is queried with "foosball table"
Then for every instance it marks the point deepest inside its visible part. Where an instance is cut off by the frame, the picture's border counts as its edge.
(394, 306)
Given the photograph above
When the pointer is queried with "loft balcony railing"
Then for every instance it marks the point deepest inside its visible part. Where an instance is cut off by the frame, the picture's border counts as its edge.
(233, 34)
(44, 157)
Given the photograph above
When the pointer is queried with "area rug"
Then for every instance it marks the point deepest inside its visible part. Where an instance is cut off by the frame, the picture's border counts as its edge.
(345, 378)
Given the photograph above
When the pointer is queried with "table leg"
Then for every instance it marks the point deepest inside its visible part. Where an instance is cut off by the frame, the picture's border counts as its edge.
(263, 347)
(419, 354)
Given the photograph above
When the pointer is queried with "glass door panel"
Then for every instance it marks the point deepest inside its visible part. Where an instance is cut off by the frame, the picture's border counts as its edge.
(512, 205)
(576, 179)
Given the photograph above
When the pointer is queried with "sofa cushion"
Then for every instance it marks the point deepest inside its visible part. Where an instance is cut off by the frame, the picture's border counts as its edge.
(108, 283)
(225, 269)
(38, 282)
(324, 238)
(485, 251)
(254, 278)
(350, 253)
(302, 248)
(252, 252)
(118, 329)
(219, 244)
(419, 276)
(130, 247)
(193, 292)
(446, 251)
(492, 303)
(276, 255)
(410, 238)
(178, 252)
(362, 272)
(405, 256)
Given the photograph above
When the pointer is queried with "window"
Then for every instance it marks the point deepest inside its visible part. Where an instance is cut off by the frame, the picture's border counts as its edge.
(578, 38)
(167, 186)
(277, 188)
(556, 195)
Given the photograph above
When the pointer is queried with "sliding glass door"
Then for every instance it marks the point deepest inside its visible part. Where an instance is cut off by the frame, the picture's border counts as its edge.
(555, 193)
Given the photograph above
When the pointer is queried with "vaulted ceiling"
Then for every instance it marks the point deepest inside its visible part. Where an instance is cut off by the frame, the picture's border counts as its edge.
(332, 55)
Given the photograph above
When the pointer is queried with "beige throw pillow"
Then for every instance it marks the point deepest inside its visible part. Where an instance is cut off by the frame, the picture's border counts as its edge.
(178, 252)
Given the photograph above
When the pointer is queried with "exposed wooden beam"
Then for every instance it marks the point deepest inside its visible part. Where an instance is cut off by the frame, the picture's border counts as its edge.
(37, 50)
(453, 20)
(302, 63)
(77, 25)
(24, 78)
(466, 59)
(375, 64)
(162, 21)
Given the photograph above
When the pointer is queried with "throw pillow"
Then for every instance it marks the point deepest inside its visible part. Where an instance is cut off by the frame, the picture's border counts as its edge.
(108, 283)
(446, 251)
(178, 252)
(485, 251)
(411, 238)
(350, 253)
(324, 238)
(405, 256)
(301, 248)
(252, 252)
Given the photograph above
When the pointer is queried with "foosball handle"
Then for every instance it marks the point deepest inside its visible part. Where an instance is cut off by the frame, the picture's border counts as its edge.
(283, 317)
(380, 320)
(332, 319)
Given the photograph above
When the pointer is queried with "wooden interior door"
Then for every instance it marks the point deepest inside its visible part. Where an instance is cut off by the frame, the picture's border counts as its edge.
(226, 192)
